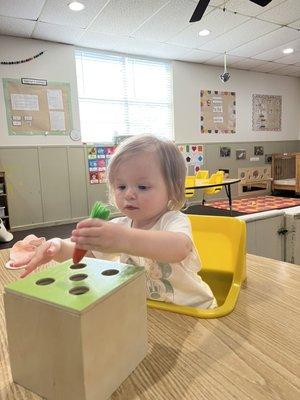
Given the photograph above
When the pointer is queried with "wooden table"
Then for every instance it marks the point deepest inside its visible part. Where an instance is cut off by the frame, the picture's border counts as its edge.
(251, 354)
(200, 184)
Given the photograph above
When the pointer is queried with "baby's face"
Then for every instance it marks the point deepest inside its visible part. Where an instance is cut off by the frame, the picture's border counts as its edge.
(140, 190)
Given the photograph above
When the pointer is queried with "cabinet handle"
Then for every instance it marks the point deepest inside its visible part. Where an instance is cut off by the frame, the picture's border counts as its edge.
(282, 231)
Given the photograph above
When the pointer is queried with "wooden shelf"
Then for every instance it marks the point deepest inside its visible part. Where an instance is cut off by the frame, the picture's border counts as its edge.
(4, 200)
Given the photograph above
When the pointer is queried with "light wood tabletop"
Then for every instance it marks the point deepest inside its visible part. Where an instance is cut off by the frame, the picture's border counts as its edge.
(253, 353)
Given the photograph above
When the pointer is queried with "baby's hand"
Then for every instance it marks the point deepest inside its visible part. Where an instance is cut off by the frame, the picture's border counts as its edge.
(100, 235)
(44, 253)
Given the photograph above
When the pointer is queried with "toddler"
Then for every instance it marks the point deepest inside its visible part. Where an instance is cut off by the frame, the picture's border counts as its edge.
(146, 178)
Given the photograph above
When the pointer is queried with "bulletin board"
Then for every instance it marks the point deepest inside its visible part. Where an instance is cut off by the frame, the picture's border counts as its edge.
(36, 109)
(266, 112)
(217, 111)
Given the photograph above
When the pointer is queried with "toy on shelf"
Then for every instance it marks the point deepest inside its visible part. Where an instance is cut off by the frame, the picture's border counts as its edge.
(76, 331)
(99, 210)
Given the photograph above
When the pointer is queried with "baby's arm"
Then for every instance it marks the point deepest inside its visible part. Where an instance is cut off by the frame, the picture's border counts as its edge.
(161, 246)
(107, 237)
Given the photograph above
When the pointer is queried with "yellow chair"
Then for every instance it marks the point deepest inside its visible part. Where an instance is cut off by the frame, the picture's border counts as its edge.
(221, 243)
(217, 177)
(189, 181)
(202, 174)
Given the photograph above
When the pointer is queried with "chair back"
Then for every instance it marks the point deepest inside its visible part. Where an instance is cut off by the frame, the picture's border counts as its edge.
(214, 178)
(189, 181)
(202, 174)
(221, 244)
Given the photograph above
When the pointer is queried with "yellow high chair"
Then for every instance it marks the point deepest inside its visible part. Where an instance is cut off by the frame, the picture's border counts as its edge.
(221, 243)
(217, 177)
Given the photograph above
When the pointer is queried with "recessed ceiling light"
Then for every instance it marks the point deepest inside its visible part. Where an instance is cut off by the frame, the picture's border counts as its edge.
(76, 6)
(288, 51)
(204, 32)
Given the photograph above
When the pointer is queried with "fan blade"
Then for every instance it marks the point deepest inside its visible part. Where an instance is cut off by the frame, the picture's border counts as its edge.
(262, 3)
(199, 10)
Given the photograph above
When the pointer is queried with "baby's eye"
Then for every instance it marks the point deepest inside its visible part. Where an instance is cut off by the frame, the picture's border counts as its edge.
(121, 187)
(143, 187)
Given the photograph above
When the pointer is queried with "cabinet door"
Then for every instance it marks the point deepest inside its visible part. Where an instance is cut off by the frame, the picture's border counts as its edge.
(55, 183)
(23, 185)
(78, 182)
(268, 242)
(297, 240)
(293, 238)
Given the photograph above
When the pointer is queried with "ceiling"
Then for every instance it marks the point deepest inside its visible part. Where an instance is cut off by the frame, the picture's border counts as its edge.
(252, 36)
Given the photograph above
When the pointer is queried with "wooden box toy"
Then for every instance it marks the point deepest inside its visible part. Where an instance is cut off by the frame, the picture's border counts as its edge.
(76, 331)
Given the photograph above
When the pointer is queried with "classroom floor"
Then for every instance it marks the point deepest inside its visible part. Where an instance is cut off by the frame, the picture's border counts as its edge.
(251, 205)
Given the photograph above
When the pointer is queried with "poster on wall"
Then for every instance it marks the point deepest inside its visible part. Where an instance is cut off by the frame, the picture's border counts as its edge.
(218, 111)
(98, 158)
(37, 109)
(193, 155)
(266, 112)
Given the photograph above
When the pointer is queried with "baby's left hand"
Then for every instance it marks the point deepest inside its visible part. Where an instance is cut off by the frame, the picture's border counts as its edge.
(97, 234)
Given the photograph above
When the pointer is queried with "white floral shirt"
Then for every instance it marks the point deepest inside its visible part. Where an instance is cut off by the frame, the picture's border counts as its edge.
(177, 283)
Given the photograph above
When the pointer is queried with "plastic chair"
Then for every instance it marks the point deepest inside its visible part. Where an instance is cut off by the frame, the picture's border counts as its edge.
(202, 174)
(189, 181)
(221, 243)
(217, 177)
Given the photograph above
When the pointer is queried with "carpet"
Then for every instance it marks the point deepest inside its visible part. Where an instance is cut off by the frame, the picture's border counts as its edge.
(199, 209)
(251, 205)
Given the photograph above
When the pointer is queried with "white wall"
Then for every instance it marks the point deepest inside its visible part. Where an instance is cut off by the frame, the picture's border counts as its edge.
(190, 78)
(56, 64)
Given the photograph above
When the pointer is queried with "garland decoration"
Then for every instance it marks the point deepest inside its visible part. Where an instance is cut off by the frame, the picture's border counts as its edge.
(22, 61)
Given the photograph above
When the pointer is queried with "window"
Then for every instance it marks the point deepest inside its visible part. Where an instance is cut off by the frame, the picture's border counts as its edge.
(123, 95)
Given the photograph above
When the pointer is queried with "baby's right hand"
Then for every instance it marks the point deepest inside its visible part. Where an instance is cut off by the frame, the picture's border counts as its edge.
(44, 253)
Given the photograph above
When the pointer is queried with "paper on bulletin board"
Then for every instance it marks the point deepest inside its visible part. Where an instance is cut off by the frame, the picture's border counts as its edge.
(266, 112)
(37, 110)
(217, 111)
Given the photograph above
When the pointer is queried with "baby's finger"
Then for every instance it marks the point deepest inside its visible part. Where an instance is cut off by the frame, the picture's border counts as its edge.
(90, 222)
(28, 269)
(51, 249)
(19, 263)
(87, 232)
(31, 266)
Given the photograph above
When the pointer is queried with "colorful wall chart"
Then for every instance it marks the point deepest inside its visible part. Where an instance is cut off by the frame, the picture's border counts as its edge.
(193, 155)
(266, 112)
(98, 157)
(218, 113)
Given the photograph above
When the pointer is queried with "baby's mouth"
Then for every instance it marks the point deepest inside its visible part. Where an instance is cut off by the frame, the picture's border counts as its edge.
(131, 208)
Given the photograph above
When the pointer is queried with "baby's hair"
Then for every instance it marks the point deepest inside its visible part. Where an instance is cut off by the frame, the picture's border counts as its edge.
(171, 163)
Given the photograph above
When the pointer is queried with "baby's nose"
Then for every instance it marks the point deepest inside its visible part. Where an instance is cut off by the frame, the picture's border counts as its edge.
(130, 193)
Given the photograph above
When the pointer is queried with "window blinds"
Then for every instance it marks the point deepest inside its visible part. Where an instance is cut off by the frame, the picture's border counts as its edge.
(123, 95)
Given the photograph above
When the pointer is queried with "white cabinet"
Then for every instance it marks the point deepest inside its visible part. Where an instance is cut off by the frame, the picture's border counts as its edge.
(266, 234)
(292, 224)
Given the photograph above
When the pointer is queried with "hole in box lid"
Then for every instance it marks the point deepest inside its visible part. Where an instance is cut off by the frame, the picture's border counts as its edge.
(78, 266)
(79, 290)
(45, 281)
(78, 277)
(109, 272)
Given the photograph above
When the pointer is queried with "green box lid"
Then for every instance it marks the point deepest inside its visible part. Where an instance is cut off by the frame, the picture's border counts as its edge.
(76, 289)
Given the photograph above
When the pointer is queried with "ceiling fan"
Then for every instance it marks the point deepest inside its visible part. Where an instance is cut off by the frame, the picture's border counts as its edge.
(202, 5)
